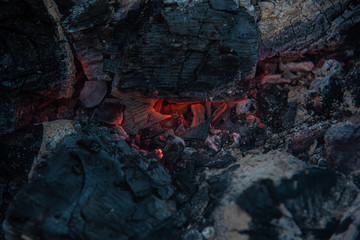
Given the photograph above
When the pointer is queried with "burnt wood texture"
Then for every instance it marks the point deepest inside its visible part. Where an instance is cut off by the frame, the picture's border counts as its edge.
(180, 50)
(36, 63)
(185, 50)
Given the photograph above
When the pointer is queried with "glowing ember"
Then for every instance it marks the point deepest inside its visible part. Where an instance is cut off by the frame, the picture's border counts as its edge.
(159, 154)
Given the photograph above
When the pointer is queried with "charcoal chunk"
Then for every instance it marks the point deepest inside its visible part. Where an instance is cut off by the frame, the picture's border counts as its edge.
(185, 50)
(342, 143)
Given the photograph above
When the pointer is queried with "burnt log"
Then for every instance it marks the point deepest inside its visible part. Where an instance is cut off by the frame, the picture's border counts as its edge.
(206, 50)
(90, 188)
(200, 50)
(36, 64)
(184, 50)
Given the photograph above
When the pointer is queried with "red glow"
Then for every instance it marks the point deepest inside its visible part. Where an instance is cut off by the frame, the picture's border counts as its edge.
(158, 105)
(219, 111)
(261, 125)
(162, 138)
(183, 122)
(252, 119)
(173, 108)
(159, 153)
(316, 101)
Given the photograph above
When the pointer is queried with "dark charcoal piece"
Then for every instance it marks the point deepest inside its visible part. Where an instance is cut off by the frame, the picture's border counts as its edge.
(36, 63)
(342, 143)
(82, 194)
(199, 132)
(17, 152)
(184, 50)
(272, 102)
(303, 138)
(302, 197)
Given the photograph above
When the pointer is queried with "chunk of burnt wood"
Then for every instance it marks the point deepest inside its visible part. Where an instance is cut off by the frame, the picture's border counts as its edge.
(342, 143)
(111, 112)
(287, 27)
(17, 152)
(184, 50)
(199, 132)
(93, 93)
(36, 64)
(81, 194)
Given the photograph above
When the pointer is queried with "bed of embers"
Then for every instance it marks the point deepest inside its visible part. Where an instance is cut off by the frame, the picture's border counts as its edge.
(82, 157)
(281, 162)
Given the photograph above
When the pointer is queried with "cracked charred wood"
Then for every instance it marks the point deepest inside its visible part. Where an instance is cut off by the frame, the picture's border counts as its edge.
(184, 50)
(36, 63)
(87, 188)
(199, 50)
(89, 27)
(297, 27)
(207, 49)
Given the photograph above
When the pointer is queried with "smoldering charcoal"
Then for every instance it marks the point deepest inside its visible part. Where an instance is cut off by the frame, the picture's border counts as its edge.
(181, 120)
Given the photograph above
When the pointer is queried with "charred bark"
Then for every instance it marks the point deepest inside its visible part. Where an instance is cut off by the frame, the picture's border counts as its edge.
(36, 63)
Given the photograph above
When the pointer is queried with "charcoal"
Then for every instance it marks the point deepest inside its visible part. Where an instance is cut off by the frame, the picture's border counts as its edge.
(262, 201)
(37, 65)
(292, 33)
(288, 114)
(139, 113)
(199, 132)
(89, 194)
(221, 161)
(138, 183)
(185, 183)
(219, 186)
(272, 101)
(325, 77)
(200, 201)
(17, 152)
(342, 143)
(352, 87)
(173, 150)
(305, 137)
(93, 93)
(111, 112)
(162, 182)
(204, 56)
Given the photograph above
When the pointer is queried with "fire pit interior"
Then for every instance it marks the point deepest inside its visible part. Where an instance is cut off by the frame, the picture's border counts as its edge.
(172, 119)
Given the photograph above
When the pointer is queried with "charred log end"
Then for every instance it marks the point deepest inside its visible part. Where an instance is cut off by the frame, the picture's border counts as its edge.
(185, 51)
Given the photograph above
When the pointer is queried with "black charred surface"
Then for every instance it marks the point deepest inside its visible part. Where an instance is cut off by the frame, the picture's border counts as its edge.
(184, 50)
(303, 196)
(17, 152)
(275, 111)
(34, 62)
(94, 183)
(342, 143)
(85, 193)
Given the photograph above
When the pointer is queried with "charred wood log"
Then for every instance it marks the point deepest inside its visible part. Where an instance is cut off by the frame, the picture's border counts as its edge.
(207, 49)
(89, 187)
(184, 50)
(36, 61)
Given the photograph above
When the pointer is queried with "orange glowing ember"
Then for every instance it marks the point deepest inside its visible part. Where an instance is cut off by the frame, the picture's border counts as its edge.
(174, 108)
(159, 153)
